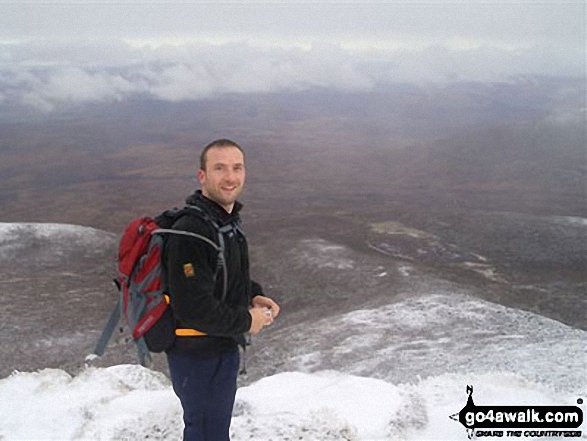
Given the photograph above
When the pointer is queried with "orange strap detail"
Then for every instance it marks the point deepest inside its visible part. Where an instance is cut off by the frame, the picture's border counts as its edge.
(186, 332)
(189, 333)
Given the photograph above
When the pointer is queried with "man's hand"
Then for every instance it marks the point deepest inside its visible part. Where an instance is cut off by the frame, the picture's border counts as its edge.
(261, 317)
(266, 302)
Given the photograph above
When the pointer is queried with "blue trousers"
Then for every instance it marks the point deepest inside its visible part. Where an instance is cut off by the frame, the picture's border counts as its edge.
(206, 388)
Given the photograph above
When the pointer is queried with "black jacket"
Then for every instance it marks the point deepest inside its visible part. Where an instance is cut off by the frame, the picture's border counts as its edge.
(190, 265)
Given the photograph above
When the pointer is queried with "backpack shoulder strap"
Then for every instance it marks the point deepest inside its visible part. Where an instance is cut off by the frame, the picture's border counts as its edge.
(198, 211)
(169, 217)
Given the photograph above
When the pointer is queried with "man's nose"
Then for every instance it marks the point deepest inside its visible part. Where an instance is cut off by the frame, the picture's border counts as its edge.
(230, 176)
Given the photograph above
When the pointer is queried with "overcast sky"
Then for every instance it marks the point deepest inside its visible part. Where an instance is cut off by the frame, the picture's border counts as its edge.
(53, 53)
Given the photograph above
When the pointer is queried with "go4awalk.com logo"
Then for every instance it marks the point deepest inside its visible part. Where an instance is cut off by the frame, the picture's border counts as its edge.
(520, 421)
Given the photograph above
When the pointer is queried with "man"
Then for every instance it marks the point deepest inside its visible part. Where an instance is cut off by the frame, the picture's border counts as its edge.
(204, 360)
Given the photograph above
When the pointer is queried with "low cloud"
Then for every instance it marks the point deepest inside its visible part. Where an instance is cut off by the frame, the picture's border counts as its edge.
(52, 76)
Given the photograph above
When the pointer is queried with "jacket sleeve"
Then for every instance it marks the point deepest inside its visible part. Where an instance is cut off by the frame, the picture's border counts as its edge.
(256, 289)
(190, 264)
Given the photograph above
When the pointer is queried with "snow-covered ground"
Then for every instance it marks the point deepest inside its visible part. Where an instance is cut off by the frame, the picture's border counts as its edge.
(50, 241)
(396, 372)
(129, 402)
(432, 334)
(10, 231)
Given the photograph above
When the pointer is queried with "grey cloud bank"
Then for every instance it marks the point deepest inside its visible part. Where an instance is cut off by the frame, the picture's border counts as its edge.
(192, 71)
(53, 55)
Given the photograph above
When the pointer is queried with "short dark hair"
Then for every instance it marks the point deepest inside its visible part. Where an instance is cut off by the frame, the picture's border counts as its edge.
(219, 143)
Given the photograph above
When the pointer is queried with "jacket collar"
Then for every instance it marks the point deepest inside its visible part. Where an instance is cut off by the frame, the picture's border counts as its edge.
(214, 209)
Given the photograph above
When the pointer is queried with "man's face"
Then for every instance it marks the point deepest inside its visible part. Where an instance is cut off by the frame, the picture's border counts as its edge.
(224, 177)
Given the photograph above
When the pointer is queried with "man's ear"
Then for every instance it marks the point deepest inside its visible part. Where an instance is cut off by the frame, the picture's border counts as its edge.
(201, 175)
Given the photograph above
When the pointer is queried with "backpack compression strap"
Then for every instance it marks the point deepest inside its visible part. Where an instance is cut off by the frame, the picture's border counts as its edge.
(113, 321)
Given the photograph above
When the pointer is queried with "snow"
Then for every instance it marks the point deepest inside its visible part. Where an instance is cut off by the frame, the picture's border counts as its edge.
(405, 270)
(570, 220)
(49, 231)
(365, 386)
(323, 254)
(511, 357)
(364, 405)
(396, 372)
(97, 404)
(49, 238)
(434, 334)
(132, 402)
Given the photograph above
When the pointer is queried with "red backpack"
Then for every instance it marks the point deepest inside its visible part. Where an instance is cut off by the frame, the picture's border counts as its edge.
(143, 300)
